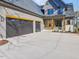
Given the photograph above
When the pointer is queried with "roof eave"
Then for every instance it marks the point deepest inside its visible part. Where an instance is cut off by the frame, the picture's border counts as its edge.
(12, 6)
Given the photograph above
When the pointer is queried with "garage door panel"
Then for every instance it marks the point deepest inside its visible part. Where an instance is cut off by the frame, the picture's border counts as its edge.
(38, 27)
(26, 27)
(10, 29)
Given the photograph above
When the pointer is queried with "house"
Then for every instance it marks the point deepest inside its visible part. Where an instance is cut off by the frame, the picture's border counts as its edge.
(19, 17)
(59, 17)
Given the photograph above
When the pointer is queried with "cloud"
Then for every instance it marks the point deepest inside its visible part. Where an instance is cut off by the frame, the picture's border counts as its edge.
(40, 2)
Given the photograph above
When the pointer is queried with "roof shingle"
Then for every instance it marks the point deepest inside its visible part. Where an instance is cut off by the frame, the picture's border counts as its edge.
(28, 5)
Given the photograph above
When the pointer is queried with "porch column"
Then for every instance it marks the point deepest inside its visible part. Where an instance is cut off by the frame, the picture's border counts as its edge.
(53, 25)
(63, 24)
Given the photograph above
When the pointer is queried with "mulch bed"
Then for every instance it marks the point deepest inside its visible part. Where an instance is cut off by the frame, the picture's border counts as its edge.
(3, 42)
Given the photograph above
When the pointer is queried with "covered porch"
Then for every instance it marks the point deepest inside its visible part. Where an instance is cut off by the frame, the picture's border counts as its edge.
(59, 23)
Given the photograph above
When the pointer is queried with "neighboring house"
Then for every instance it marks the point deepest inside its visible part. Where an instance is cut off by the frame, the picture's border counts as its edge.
(53, 11)
(70, 15)
(69, 11)
(59, 18)
(48, 9)
(77, 20)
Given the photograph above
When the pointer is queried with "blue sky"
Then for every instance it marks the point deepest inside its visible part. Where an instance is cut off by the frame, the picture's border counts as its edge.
(75, 3)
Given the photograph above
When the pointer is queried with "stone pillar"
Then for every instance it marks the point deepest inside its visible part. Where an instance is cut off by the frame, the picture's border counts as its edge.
(66, 27)
(2, 23)
(42, 25)
(63, 24)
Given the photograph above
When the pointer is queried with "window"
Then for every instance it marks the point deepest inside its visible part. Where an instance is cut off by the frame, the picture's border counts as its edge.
(58, 23)
(43, 11)
(50, 11)
(68, 22)
(60, 11)
(50, 25)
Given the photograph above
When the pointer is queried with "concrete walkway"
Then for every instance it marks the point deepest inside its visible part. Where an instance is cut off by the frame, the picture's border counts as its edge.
(42, 45)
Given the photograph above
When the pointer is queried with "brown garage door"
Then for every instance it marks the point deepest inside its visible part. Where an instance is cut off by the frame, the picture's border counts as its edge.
(18, 27)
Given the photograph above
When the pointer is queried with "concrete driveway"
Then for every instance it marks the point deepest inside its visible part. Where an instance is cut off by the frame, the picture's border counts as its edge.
(42, 45)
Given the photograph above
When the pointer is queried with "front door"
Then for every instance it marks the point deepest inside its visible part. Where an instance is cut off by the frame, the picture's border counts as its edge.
(58, 24)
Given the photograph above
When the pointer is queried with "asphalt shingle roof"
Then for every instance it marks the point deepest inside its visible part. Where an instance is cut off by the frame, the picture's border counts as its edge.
(28, 5)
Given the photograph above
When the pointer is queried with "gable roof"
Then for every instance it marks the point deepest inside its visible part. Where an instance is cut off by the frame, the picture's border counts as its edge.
(57, 3)
(47, 6)
(27, 4)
